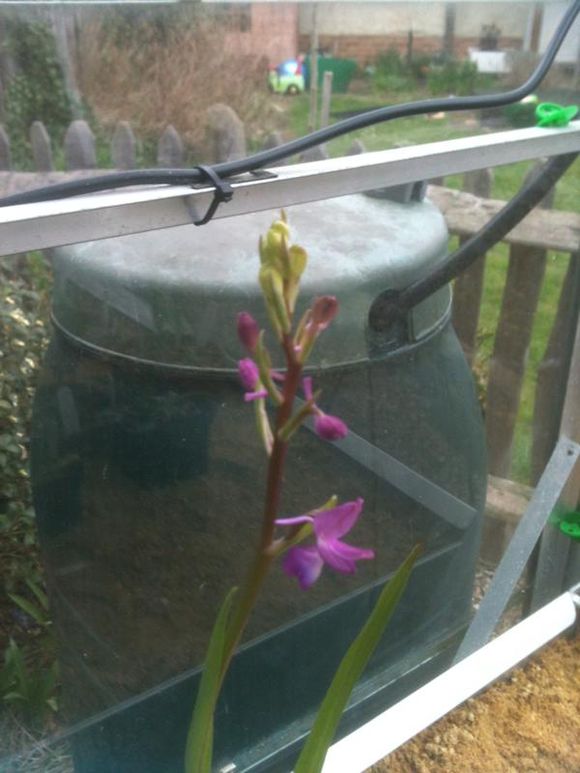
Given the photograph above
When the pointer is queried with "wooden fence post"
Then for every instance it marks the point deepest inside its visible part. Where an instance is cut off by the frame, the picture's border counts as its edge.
(553, 371)
(123, 146)
(41, 147)
(326, 98)
(317, 153)
(170, 149)
(356, 147)
(5, 155)
(525, 276)
(79, 146)
(273, 140)
(468, 288)
(225, 135)
(313, 101)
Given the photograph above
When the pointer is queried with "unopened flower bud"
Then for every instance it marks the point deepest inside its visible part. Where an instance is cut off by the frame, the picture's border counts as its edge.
(248, 331)
(324, 310)
(273, 290)
(249, 374)
(330, 427)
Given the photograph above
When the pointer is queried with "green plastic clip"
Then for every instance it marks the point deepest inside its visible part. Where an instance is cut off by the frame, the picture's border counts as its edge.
(570, 525)
(551, 114)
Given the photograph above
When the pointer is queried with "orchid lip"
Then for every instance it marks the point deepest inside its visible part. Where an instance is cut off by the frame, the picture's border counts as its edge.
(250, 396)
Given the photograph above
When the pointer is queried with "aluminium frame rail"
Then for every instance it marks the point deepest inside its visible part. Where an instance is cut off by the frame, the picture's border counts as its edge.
(124, 211)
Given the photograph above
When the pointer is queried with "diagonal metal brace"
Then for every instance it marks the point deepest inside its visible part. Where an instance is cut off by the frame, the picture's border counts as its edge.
(546, 497)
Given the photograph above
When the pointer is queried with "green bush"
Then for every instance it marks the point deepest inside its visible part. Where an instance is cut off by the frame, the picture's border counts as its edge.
(453, 77)
(390, 63)
(391, 73)
(522, 113)
(37, 92)
(28, 677)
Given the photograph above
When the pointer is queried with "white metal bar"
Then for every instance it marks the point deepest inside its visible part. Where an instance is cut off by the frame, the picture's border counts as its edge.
(385, 733)
(103, 215)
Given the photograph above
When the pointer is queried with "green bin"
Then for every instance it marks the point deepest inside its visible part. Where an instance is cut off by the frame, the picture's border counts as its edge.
(343, 71)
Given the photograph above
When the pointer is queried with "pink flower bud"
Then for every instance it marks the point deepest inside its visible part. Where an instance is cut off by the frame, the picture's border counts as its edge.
(330, 427)
(248, 331)
(249, 374)
(324, 310)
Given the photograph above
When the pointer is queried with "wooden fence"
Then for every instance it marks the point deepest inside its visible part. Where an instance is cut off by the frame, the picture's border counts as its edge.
(541, 231)
(465, 211)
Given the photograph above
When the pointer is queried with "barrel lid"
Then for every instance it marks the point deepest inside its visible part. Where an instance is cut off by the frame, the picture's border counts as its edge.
(171, 296)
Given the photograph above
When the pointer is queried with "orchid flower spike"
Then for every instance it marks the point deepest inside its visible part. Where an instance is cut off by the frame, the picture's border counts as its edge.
(250, 378)
(306, 563)
(326, 426)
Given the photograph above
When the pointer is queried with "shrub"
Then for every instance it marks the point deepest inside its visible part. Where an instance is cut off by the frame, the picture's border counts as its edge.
(391, 72)
(522, 113)
(23, 336)
(27, 674)
(37, 91)
(181, 71)
(453, 77)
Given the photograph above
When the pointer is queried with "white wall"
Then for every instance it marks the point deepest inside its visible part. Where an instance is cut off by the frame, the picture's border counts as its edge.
(570, 51)
(373, 18)
(424, 18)
(511, 18)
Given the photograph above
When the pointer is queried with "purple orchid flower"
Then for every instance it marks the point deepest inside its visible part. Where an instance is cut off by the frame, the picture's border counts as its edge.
(250, 378)
(326, 426)
(305, 563)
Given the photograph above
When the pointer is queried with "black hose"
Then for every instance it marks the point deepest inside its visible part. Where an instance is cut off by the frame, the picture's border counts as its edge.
(272, 155)
(392, 305)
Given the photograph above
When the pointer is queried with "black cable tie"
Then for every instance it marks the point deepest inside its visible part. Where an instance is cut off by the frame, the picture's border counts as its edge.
(223, 193)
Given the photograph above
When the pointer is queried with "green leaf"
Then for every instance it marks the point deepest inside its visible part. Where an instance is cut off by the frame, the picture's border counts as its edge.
(351, 667)
(39, 593)
(198, 752)
(14, 697)
(31, 609)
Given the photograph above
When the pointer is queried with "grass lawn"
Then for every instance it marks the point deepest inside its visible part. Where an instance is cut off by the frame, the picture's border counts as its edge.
(507, 180)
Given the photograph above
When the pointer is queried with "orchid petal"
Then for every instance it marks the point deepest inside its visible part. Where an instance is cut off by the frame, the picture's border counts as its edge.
(294, 521)
(249, 396)
(307, 387)
(338, 521)
(340, 556)
(303, 563)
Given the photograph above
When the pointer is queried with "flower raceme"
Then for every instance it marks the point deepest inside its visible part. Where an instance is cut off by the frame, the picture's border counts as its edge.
(306, 563)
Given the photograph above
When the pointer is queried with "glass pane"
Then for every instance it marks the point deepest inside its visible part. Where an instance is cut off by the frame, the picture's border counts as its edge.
(132, 472)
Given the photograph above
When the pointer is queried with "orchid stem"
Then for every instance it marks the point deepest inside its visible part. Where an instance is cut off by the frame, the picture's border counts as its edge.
(263, 558)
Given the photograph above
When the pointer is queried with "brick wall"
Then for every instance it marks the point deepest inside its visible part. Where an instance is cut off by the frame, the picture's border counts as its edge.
(273, 33)
(364, 49)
